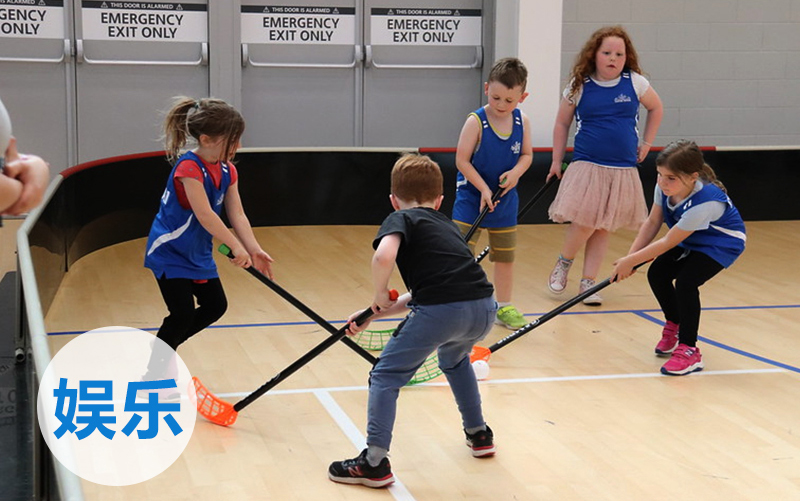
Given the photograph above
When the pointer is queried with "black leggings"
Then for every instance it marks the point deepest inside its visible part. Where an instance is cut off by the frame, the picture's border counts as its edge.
(681, 302)
(184, 320)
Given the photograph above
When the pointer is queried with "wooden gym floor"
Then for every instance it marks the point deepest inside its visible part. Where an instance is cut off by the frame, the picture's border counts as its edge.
(578, 406)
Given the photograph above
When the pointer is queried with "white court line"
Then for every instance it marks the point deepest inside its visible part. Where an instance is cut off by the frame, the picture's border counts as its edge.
(598, 377)
(352, 432)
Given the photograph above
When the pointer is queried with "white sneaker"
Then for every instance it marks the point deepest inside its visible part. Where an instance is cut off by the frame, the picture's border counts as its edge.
(558, 277)
(594, 299)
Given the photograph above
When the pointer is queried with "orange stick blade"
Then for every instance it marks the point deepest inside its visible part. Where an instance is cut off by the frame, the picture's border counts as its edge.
(213, 408)
(480, 353)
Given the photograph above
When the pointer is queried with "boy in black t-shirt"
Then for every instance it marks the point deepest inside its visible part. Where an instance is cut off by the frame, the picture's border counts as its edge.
(452, 308)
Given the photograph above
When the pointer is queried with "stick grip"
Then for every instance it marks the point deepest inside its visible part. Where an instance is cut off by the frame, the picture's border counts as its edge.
(308, 357)
(481, 216)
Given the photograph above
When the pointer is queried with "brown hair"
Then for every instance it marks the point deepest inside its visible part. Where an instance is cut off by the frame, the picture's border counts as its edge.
(684, 157)
(417, 178)
(585, 61)
(510, 72)
(192, 118)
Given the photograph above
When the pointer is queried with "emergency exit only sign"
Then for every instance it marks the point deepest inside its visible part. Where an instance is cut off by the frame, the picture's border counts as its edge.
(425, 26)
(144, 21)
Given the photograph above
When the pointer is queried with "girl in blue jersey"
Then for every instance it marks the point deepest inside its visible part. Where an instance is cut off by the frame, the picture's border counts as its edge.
(706, 234)
(601, 190)
(494, 151)
(179, 247)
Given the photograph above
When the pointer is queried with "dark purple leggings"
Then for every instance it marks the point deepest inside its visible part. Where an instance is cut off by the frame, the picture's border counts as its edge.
(675, 280)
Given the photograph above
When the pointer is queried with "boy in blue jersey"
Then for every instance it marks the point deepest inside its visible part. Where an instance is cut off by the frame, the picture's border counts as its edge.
(494, 151)
(706, 234)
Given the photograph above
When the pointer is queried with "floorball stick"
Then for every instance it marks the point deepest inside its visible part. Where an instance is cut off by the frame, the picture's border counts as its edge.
(482, 215)
(481, 353)
(224, 413)
(225, 250)
(539, 194)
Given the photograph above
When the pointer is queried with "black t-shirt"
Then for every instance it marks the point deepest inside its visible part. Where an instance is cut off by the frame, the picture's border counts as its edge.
(435, 262)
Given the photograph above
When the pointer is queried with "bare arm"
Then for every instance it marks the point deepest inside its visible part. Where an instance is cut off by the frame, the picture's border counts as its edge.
(208, 219)
(655, 112)
(383, 262)
(241, 225)
(644, 248)
(566, 112)
(24, 181)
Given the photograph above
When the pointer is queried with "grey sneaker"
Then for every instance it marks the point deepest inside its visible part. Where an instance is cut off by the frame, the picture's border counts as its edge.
(558, 277)
(593, 299)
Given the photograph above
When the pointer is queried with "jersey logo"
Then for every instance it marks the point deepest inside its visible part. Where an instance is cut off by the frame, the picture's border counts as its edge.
(687, 205)
(165, 197)
(516, 147)
(220, 199)
(622, 98)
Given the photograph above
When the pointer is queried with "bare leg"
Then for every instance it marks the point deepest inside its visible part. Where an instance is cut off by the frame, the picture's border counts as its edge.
(596, 247)
(503, 281)
(576, 237)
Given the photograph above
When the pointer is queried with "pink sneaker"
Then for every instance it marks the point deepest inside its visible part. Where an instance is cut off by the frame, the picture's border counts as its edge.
(684, 360)
(669, 339)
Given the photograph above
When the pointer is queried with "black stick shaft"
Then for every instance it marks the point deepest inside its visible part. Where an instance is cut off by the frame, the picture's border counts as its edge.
(539, 194)
(482, 215)
(225, 250)
(300, 362)
(553, 313)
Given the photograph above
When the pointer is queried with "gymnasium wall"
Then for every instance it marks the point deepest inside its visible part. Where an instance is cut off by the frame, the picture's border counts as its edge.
(728, 71)
(90, 210)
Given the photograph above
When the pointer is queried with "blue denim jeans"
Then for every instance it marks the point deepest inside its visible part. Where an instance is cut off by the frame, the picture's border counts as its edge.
(452, 329)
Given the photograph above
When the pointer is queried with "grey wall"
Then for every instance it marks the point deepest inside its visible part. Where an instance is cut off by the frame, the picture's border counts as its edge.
(728, 71)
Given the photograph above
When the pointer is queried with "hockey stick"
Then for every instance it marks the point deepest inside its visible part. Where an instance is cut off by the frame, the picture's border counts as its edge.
(225, 250)
(550, 182)
(224, 413)
(481, 216)
(481, 353)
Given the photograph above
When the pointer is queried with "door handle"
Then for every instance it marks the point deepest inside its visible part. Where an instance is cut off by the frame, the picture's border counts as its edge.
(81, 57)
(476, 63)
(358, 56)
(65, 56)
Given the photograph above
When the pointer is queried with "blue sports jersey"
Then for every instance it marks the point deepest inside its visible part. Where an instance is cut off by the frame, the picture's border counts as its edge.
(494, 156)
(606, 123)
(178, 246)
(724, 239)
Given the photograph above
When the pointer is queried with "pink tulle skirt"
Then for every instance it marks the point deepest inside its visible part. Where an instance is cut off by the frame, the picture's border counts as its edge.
(603, 198)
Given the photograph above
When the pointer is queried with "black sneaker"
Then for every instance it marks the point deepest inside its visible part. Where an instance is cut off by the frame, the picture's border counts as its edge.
(358, 471)
(481, 443)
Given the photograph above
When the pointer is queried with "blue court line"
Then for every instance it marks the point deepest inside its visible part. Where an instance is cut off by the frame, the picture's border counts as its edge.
(724, 346)
(641, 313)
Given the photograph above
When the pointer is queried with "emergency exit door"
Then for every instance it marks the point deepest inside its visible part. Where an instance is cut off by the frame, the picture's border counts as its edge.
(36, 78)
(132, 58)
(423, 70)
(360, 72)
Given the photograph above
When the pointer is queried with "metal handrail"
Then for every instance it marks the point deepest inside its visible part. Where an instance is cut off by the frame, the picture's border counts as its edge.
(81, 57)
(69, 485)
(65, 56)
(248, 61)
(476, 63)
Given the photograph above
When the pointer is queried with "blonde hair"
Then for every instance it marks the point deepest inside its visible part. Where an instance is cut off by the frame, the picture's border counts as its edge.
(192, 118)
(585, 61)
(417, 178)
(684, 157)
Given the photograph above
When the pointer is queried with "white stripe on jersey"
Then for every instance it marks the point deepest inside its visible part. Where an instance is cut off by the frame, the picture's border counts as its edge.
(170, 236)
